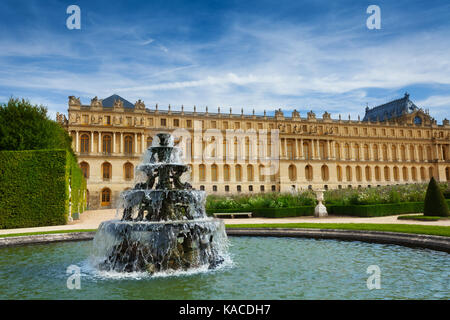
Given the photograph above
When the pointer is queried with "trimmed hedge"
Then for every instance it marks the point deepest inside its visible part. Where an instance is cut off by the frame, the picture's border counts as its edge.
(34, 188)
(284, 212)
(376, 210)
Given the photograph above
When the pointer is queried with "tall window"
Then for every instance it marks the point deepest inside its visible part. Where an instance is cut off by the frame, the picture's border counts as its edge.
(368, 173)
(128, 144)
(348, 173)
(325, 173)
(292, 172)
(201, 172)
(261, 172)
(238, 172)
(308, 172)
(106, 171)
(249, 172)
(84, 143)
(106, 197)
(85, 169)
(226, 172)
(128, 171)
(107, 144)
(214, 172)
(339, 173)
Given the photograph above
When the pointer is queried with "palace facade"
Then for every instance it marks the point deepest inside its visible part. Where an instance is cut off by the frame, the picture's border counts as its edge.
(395, 143)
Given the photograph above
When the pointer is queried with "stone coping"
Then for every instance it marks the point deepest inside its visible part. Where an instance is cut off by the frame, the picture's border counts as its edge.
(439, 243)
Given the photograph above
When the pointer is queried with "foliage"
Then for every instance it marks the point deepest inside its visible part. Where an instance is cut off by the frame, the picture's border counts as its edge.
(435, 204)
(263, 200)
(27, 127)
(419, 217)
(34, 188)
(375, 210)
(378, 195)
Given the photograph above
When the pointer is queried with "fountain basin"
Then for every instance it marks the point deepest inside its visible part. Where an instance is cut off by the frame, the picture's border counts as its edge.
(125, 246)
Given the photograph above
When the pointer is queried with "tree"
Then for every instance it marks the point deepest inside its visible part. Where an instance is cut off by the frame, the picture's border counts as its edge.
(27, 127)
(435, 204)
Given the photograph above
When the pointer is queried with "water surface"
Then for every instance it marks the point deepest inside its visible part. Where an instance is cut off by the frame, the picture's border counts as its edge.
(261, 268)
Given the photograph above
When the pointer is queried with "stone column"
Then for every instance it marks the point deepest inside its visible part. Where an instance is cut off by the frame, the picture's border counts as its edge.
(121, 142)
(143, 143)
(295, 149)
(100, 150)
(92, 142)
(135, 144)
(302, 156)
(77, 145)
(352, 151)
(114, 143)
(285, 149)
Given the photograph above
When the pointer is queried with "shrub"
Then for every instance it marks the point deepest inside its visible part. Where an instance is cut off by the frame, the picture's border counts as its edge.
(435, 204)
(34, 188)
(375, 210)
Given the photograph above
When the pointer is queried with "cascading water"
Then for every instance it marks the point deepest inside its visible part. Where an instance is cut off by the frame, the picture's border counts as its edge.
(164, 224)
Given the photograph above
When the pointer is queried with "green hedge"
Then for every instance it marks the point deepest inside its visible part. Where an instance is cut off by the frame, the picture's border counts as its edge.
(284, 212)
(34, 188)
(376, 210)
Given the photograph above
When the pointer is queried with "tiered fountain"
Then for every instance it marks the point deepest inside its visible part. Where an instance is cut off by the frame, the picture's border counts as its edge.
(164, 224)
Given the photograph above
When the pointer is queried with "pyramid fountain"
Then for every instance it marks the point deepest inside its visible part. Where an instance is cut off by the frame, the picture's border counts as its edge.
(164, 224)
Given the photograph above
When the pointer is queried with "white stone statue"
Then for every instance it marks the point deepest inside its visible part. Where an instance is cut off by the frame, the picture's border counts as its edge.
(320, 210)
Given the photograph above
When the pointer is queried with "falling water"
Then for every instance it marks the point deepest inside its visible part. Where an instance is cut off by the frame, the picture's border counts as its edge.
(164, 225)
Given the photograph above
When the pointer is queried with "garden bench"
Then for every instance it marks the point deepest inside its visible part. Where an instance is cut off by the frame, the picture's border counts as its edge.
(232, 214)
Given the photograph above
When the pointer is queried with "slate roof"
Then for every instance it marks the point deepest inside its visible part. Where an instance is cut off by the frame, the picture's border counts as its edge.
(109, 102)
(390, 110)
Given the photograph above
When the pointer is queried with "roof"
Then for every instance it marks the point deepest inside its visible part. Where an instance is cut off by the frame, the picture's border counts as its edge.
(390, 110)
(109, 102)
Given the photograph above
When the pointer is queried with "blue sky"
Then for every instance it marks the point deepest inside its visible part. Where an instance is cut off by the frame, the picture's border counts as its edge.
(262, 55)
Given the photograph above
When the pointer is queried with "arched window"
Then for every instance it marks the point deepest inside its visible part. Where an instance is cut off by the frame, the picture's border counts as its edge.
(368, 173)
(337, 151)
(106, 143)
(348, 173)
(412, 156)
(375, 153)
(202, 172)
(106, 197)
(403, 153)
(306, 151)
(128, 144)
(339, 173)
(325, 173)
(422, 174)
(358, 173)
(214, 172)
(385, 152)
(387, 175)
(420, 153)
(149, 142)
(356, 149)
(292, 172)
(414, 174)
(308, 172)
(238, 171)
(226, 172)
(347, 151)
(447, 173)
(394, 153)
(396, 174)
(377, 173)
(430, 172)
(128, 171)
(249, 172)
(84, 147)
(85, 169)
(106, 171)
(405, 173)
(366, 152)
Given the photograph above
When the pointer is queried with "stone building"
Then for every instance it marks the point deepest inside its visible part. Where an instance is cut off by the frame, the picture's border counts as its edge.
(395, 143)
